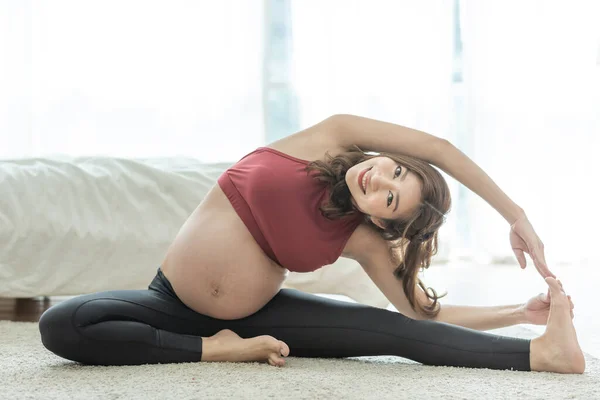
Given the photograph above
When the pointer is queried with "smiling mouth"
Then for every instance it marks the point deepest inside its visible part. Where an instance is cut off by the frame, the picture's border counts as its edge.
(362, 180)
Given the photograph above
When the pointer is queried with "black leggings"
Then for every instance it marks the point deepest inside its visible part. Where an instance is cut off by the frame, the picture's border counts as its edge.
(129, 327)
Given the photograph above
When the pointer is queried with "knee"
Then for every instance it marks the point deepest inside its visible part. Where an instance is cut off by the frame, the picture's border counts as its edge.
(57, 327)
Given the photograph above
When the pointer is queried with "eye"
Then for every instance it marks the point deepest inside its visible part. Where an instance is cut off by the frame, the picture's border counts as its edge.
(398, 172)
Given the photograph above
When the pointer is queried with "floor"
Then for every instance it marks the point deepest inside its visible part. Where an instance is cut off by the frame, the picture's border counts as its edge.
(466, 284)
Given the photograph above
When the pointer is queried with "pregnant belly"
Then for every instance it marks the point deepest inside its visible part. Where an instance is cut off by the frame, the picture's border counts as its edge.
(215, 265)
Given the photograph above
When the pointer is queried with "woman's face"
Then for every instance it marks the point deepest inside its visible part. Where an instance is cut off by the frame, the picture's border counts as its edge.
(382, 188)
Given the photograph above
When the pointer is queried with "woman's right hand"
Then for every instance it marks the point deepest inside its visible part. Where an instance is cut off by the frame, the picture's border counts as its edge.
(524, 239)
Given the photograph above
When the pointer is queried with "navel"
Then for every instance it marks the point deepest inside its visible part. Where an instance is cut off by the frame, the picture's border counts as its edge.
(215, 289)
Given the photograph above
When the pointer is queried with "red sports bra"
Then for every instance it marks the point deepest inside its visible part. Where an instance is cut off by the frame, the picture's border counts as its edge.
(279, 204)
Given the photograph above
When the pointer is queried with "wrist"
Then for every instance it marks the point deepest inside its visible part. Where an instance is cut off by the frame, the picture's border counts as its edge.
(520, 315)
(514, 215)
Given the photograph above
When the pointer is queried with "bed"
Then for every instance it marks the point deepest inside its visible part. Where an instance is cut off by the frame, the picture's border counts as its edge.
(71, 226)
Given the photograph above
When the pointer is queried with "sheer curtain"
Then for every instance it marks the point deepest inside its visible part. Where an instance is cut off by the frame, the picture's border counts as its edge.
(532, 78)
(131, 78)
(384, 59)
(198, 78)
(526, 105)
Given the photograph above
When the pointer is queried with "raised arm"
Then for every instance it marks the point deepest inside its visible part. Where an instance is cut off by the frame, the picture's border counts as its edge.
(379, 136)
(373, 135)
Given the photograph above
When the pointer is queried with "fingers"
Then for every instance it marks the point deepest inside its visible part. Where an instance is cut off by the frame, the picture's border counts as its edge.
(539, 252)
(539, 259)
(545, 296)
(541, 266)
(520, 257)
(544, 266)
(544, 271)
(539, 262)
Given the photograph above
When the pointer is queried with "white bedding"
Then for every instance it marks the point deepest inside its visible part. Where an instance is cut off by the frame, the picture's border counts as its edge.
(71, 226)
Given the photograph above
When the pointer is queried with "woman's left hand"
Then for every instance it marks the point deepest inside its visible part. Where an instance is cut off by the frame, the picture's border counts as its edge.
(537, 309)
(524, 239)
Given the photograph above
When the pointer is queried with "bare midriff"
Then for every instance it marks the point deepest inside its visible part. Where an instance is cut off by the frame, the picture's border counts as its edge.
(216, 267)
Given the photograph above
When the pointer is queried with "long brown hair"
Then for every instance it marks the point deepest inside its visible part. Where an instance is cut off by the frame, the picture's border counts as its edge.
(415, 236)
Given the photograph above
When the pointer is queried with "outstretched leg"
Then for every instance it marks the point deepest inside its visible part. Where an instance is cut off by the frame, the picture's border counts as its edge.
(313, 326)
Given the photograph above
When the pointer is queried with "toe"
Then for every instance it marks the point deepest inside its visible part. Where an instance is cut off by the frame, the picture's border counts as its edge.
(555, 288)
(276, 360)
(557, 297)
(284, 350)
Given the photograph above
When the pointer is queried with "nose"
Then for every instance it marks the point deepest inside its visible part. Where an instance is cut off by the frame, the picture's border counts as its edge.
(379, 181)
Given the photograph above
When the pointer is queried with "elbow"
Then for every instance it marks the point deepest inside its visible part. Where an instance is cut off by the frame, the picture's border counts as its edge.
(337, 120)
(338, 117)
(337, 126)
(444, 143)
(332, 118)
(344, 119)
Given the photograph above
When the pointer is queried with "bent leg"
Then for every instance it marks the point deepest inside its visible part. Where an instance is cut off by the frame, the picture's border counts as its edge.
(126, 327)
(314, 326)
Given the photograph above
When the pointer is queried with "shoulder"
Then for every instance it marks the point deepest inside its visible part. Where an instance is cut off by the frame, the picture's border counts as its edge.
(313, 142)
(366, 246)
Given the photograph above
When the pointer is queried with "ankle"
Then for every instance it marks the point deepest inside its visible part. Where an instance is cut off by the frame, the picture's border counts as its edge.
(210, 349)
(537, 352)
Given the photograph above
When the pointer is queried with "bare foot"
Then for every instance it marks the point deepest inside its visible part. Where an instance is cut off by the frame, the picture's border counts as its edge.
(557, 350)
(226, 345)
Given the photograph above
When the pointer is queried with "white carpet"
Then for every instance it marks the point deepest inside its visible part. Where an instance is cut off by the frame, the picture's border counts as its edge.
(29, 371)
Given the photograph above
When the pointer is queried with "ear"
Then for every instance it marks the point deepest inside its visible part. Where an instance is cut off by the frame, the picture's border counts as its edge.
(378, 222)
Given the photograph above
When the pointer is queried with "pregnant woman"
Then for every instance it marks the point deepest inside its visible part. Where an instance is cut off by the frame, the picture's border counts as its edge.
(297, 205)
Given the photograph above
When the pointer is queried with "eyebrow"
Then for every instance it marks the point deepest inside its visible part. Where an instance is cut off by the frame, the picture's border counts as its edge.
(397, 194)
